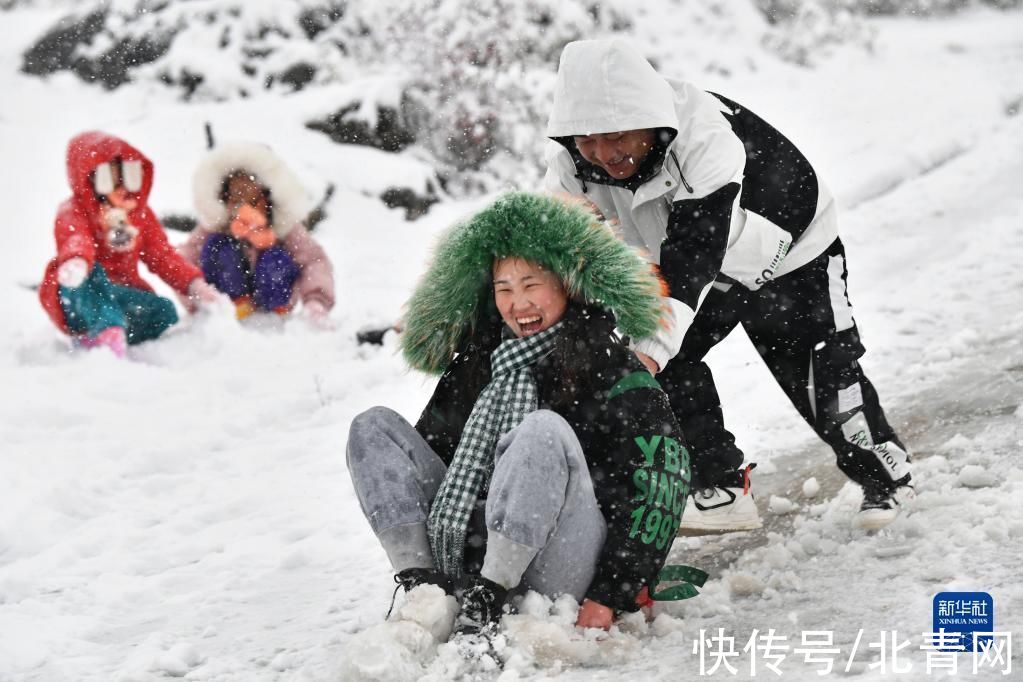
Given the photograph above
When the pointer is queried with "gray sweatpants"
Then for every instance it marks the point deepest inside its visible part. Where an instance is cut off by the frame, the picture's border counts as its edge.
(544, 527)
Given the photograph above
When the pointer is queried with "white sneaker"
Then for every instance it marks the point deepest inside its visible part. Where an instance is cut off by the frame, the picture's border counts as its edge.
(880, 508)
(721, 509)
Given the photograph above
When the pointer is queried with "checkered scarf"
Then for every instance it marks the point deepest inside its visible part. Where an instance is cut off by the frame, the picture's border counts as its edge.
(500, 407)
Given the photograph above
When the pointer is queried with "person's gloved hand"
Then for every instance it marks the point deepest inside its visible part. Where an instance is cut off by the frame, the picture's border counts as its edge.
(594, 615)
(73, 272)
(316, 313)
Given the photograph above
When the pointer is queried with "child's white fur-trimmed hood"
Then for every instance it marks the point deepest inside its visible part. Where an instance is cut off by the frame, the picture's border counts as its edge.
(291, 202)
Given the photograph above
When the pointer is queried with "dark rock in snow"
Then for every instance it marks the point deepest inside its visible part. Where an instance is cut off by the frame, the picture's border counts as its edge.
(316, 20)
(415, 205)
(111, 68)
(343, 127)
(179, 222)
(188, 81)
(319, 213)
(298, 75)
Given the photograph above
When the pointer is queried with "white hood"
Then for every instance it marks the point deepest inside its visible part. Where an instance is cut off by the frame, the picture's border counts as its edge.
(605, 86)
(291, 204)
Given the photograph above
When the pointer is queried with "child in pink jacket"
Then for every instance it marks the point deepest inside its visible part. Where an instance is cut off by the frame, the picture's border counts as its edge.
(250, 242)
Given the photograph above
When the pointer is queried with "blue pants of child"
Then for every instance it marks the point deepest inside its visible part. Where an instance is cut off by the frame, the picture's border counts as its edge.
(98, 304)
(225, 265)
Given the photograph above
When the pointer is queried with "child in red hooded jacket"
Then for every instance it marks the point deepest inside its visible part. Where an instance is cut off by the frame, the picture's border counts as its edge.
(92, 290)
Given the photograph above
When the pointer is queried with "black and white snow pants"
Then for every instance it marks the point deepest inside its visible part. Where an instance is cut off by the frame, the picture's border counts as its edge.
(802, 326)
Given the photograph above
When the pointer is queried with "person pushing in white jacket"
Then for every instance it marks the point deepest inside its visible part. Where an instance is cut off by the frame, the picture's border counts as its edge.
(745, 233)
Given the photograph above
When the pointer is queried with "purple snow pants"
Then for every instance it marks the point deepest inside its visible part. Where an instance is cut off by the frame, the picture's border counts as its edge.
(225, 265)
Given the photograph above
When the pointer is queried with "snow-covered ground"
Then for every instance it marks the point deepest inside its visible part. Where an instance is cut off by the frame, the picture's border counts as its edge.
(188, 513)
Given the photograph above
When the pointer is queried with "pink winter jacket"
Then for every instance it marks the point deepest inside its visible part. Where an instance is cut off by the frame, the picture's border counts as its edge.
(290, 206)
(316, 281)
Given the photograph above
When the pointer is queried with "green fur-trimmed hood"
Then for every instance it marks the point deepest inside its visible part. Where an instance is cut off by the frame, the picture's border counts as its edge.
(455, 296)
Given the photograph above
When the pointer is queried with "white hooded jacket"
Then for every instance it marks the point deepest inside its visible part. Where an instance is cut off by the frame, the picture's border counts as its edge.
(696, 212)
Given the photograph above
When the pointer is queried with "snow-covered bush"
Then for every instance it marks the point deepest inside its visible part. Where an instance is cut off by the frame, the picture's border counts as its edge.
(84, 45)
(781, 11)
(806, 31)
(476, 76)
(467, 82)
(211, 49)
(480, 73)
(924, 8)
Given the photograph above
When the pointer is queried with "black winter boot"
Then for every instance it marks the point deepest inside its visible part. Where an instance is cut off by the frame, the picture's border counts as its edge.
(482, 604)
(411, 578)
(414, 577)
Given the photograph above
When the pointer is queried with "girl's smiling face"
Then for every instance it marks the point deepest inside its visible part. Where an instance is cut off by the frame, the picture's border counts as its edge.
(529, 298)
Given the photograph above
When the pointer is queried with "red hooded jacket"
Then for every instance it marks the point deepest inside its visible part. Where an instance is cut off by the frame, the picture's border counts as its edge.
(80, 230)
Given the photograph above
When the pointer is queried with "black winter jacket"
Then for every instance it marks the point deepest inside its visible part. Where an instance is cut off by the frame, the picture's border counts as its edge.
(633, 445)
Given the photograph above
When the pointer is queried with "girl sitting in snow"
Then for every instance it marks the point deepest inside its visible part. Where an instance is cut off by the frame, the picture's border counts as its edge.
(548, 458)
(92, 290)
(250, 242)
